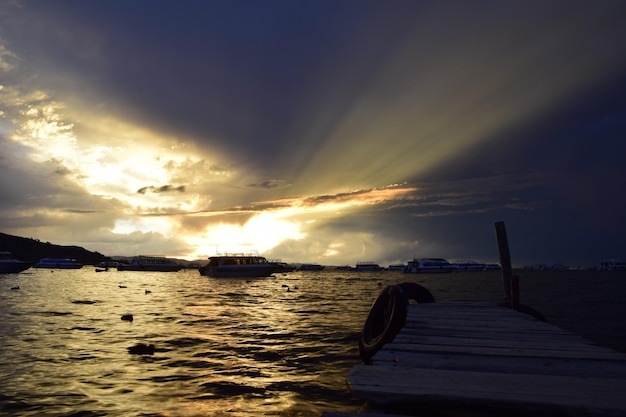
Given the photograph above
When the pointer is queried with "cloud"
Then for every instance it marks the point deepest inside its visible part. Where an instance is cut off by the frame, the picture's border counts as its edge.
(161, 189)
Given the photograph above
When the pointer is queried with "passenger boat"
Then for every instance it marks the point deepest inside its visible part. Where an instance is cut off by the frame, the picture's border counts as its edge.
(151, 264)
(367, 267)
(10, 265)
(428, 266)
(58, 263)
(239, 266)
(612, 265)
(468, 265)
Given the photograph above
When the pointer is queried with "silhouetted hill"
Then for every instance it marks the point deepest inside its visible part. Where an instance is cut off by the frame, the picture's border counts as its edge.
(30, 249)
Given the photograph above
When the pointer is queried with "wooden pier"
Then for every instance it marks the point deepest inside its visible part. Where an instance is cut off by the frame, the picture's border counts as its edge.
(480, 359)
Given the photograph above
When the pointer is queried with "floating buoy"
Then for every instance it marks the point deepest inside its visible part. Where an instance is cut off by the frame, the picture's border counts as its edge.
(127, 317)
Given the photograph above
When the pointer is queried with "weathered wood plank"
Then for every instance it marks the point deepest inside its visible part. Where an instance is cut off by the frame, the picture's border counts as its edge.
(503, 351)
(488, 363)
(553, 344)
(385, 385)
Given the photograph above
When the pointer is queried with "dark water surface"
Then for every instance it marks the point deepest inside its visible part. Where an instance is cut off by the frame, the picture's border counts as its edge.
(278, 346)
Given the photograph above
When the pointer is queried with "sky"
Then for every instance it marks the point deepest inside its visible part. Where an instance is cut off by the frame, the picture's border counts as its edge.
(327, 131)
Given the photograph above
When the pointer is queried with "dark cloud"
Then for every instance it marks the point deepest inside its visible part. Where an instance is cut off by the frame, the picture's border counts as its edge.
(161, 189)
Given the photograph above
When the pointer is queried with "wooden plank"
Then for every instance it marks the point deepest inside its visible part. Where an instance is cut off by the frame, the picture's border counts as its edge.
(470, 342)
(385, 385)
(503, 351)
(508, 364)
(490, 333)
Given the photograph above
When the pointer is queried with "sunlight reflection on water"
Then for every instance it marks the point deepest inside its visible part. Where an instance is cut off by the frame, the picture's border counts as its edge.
(274, 346)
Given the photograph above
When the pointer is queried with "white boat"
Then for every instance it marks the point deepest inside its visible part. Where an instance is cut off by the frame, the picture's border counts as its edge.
(367, 267)
(468, 265)
(10, 265)
(612, 265)
(58, 263)
(428, 266)
(239, 266)
(151, 264)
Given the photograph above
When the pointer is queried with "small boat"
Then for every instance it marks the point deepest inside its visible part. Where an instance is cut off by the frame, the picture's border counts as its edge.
(396, 267)
(311, 267)
(239, 266)
(10, 265)
(367, 267)
(344, 268)
(151, 264)
(58, 263)
(283, 266)
(428, 266)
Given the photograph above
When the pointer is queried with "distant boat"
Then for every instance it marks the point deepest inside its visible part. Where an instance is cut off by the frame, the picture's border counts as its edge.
(58, 263)
(311, 267)
(151, 264)
(396, 267)
(612, 265)
(10, 265)
(239, 266)
(429, 266)
(468, 265)
(283, 266)
(368, 267)
(344, 268)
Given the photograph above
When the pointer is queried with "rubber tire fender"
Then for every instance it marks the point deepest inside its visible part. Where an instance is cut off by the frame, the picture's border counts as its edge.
(385, 319)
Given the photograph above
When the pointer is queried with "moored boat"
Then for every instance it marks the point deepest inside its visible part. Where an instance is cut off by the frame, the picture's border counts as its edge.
(10, 265)
(150, 263)
(239, 266)
(467, 265)
(396, 267)
(428, 266)
(311, 267)
(58, 263)
(367, 267)
(612, 265)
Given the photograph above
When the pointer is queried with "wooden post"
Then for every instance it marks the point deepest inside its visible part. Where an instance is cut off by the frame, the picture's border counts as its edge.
(505, 259)
(515, 293)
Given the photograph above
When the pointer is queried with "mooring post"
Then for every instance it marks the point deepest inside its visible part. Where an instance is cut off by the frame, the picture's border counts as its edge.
(505, 259)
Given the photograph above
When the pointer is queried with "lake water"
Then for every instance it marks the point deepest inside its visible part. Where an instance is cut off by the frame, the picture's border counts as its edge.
(278, 346)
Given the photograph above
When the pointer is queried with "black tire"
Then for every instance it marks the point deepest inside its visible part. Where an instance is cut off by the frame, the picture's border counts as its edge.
(386, 317)
(416, 292)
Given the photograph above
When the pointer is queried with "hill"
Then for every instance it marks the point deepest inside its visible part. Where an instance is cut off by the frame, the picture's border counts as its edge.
(30, 249)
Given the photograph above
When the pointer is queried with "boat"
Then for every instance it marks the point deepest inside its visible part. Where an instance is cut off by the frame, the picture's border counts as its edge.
(428, 266)
(468, 265)
(151, 264)
(396, 267)
(367, 267)
(58, 263)
(311, 267)
(10, 265)
(612, 265)
(344, 268)
(239, 266)
(283, 266)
